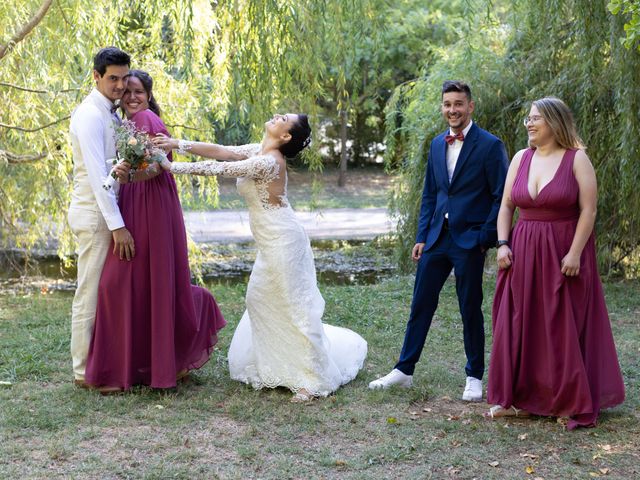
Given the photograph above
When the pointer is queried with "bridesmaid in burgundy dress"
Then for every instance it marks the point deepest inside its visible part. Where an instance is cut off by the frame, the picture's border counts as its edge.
(553, 352)
(152, 326)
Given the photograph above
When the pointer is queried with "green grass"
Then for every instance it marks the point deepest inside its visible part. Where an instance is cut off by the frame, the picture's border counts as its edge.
(213, 427)
(365, 188)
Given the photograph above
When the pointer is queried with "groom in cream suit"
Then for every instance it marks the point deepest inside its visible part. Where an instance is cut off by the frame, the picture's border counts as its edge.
(94, 216)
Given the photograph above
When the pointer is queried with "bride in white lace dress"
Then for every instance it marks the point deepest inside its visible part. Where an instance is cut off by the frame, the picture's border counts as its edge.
(280, 340)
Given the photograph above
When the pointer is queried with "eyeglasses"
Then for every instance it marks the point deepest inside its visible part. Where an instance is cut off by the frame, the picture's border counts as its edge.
(532, 119)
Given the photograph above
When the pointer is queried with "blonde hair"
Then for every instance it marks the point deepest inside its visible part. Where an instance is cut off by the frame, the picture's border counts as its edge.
(560, 120)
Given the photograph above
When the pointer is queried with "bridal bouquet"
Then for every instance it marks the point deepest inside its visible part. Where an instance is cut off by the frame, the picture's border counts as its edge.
(134, 147)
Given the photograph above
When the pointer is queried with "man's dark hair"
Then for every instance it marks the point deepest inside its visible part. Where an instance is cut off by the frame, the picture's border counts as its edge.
(300, 137)
(456, 86)
(110, 56)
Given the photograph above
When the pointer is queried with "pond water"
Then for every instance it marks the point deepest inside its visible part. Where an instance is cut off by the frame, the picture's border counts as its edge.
(337, 263)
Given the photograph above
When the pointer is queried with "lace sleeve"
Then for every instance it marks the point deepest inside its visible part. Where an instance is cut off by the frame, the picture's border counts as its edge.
(249, 150)
(262, 167)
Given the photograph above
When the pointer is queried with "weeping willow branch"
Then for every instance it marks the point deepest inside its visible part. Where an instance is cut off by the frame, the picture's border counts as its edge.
(32, 90)
(64, 17)
(5, 218)
(15, 158)
(26, 29)
(186, 127)
(31, 130)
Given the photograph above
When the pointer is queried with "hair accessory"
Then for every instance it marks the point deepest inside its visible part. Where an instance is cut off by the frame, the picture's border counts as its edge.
(307, 141)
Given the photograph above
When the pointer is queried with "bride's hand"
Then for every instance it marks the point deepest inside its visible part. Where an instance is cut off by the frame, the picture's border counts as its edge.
(165, 143)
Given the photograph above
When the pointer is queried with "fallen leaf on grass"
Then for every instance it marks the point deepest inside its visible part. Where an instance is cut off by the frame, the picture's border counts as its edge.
(456, 444)
(529, 455)
(605, 471)
(523, 436)
(538, 478)
(606, 448)
(392, 420)
(494, 464)
(453, 417)
(413, 413)
(529, 469)
(594, 474)
(426, 409)
(159, 407)
(466, 421)
(340, 463)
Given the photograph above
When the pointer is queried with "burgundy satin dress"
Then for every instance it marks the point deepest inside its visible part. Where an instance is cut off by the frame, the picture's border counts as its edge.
(553, 352)
(151, 323)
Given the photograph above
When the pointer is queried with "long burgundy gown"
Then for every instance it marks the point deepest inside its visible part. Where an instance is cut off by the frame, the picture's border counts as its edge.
(151, 323)
(553, 352)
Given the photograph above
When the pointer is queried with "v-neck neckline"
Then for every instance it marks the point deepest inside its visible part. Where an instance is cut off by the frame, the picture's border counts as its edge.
(564, 155)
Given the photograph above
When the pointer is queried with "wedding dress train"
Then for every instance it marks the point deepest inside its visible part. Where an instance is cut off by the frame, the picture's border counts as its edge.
(281, 340)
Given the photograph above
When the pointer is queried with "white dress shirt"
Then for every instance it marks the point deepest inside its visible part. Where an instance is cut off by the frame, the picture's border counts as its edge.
(453, 151)
(94, 148)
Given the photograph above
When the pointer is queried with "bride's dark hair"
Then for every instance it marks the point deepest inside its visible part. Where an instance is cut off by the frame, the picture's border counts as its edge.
(147, 84)
(300, 137)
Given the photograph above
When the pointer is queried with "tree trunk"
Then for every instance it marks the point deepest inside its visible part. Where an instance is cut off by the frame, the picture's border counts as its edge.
(342, 177)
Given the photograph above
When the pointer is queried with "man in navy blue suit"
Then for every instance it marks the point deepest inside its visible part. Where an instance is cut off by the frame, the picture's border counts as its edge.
(465, 176)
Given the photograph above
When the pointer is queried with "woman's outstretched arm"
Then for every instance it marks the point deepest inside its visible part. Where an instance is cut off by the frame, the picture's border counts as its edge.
(264, 167)
(207, 150)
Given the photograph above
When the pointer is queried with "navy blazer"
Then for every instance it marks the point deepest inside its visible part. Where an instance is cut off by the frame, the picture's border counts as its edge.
(473, 197)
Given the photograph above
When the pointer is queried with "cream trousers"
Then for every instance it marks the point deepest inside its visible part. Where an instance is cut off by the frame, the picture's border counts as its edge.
(94, 240)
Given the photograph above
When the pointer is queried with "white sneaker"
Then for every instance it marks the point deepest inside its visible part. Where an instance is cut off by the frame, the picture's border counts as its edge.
(472, 390)
(396, 377)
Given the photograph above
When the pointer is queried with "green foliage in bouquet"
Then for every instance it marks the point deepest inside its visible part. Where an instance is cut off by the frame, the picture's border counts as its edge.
(135, 146)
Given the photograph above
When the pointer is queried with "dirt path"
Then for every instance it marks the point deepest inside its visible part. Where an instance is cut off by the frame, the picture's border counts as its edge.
(333, 223)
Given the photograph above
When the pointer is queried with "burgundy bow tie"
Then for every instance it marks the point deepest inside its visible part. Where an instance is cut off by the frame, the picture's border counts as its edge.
(452, 138)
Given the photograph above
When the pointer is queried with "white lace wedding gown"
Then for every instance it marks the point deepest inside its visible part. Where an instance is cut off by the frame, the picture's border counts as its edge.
(281, 340)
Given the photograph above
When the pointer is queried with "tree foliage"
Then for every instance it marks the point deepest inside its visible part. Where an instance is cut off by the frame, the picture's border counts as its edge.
(221, 68)
(518, 52)
(218, 67)
(630, 9)
(390, 46)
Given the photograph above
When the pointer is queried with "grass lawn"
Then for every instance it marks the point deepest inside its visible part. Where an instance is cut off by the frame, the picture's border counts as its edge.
(213, 427)
(365, 188)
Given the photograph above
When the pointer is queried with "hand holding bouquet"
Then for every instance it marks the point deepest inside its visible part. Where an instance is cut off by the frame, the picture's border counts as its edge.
(134, 147)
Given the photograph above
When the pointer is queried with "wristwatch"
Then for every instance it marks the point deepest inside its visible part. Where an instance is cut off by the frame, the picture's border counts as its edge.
(500, 243)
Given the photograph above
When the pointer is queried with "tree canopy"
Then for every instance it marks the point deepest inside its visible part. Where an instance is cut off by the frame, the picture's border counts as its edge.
(218, 67)
(369, 68)
(511, 55)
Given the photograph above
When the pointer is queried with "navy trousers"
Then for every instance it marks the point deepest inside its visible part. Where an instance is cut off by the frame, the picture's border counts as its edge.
(434, 267)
